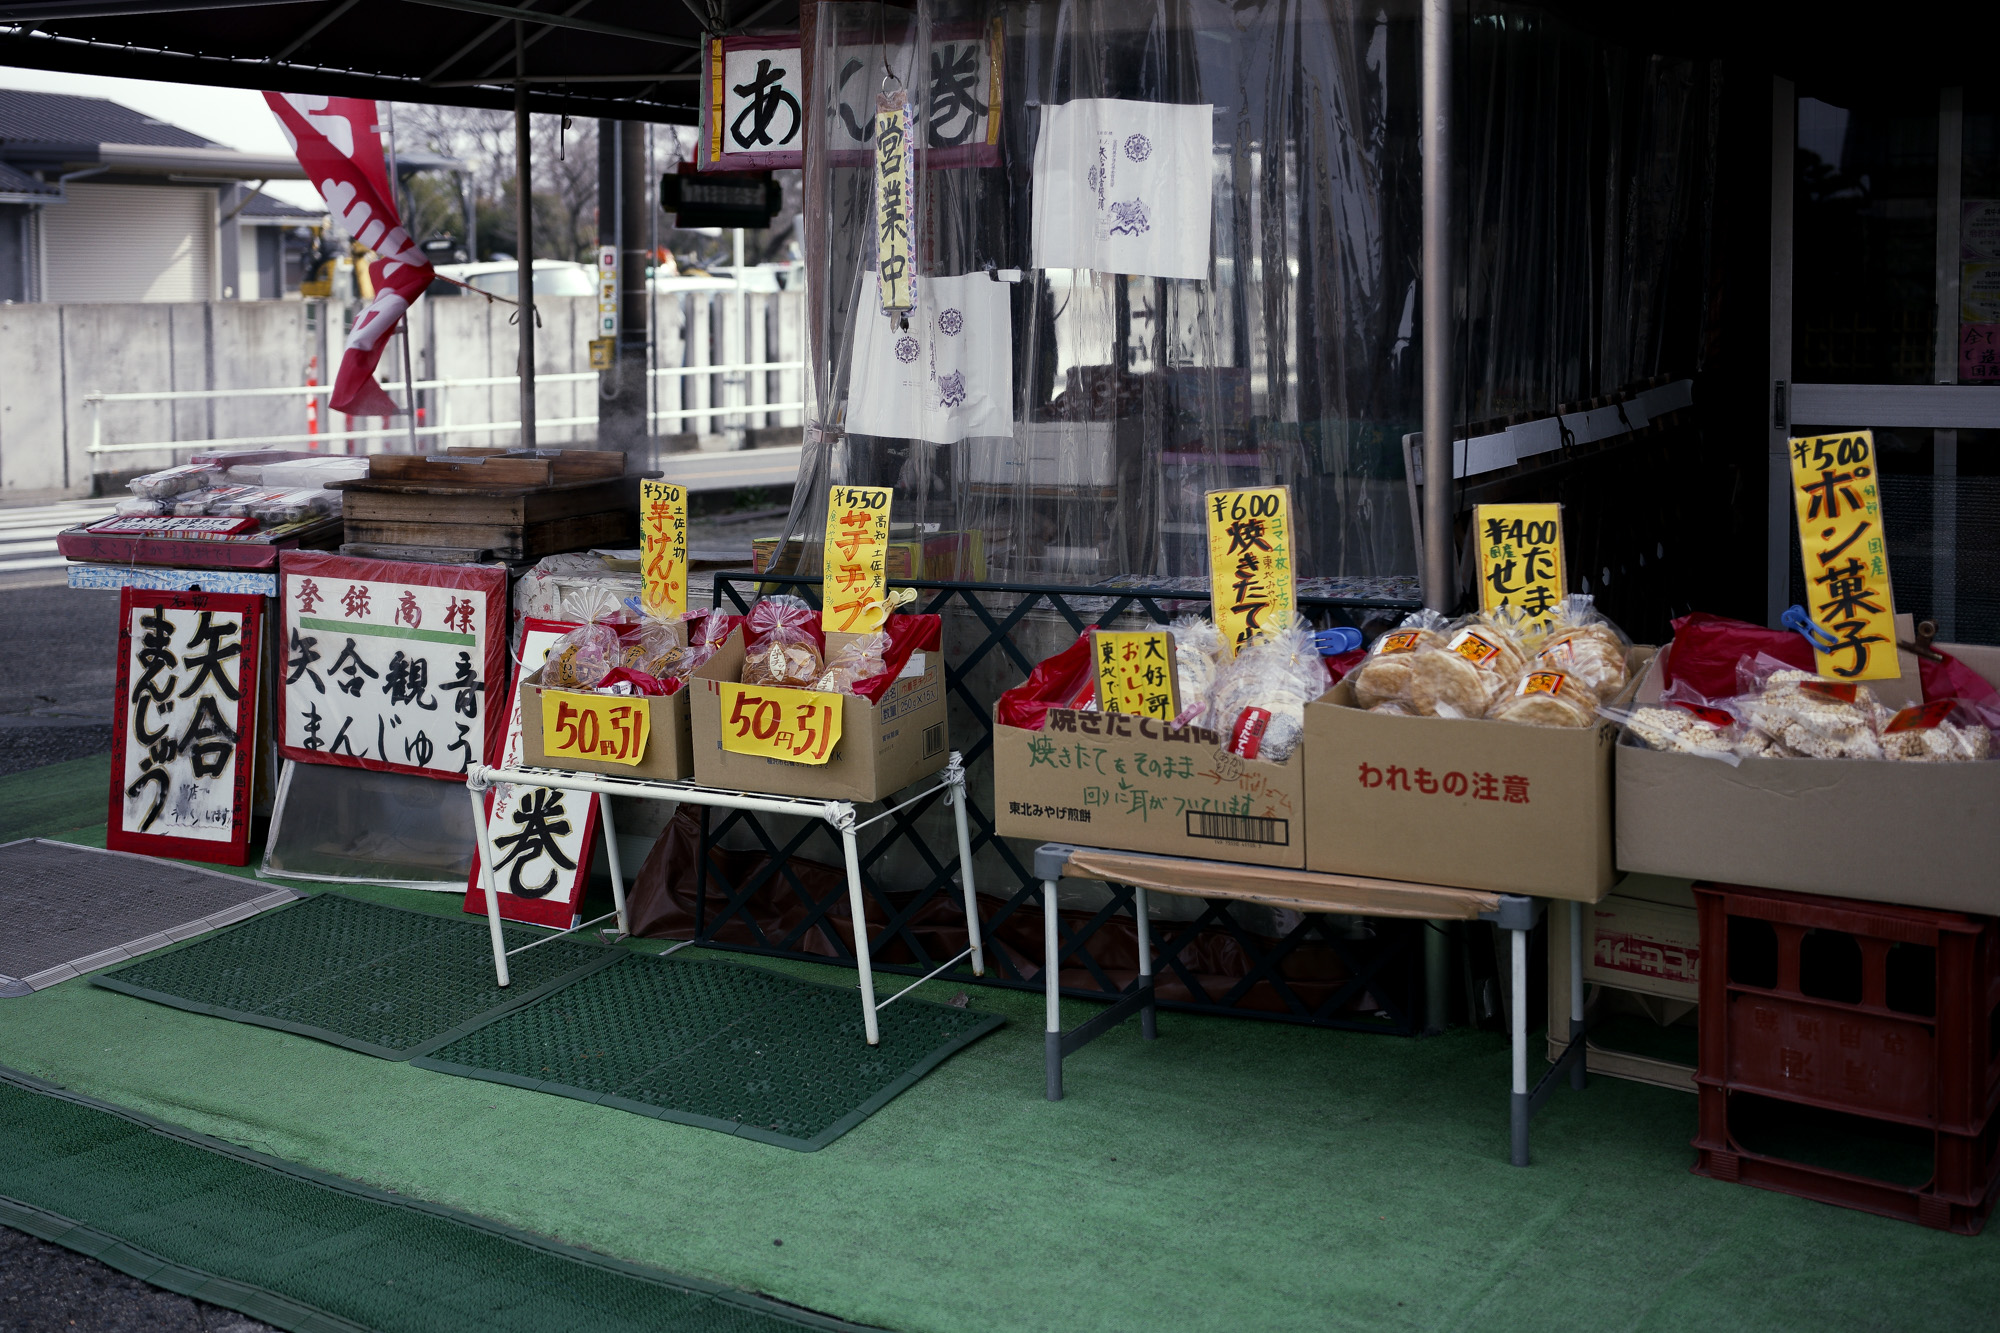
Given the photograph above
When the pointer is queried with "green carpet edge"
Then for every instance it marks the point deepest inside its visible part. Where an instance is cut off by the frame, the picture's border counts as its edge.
(111, 1249)
(555, 1088)
(109, 981)
(105, 1248)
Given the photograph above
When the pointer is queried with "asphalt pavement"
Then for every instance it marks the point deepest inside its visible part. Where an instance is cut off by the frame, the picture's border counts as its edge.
(58, 672)
(47, 1289)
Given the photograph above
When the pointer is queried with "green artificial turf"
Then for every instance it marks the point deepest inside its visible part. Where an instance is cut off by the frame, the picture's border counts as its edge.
(55, 799)
(1234, 1175)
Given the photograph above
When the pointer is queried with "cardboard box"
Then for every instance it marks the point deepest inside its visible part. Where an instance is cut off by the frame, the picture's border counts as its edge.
(883, 747)
(1466, 802)
(1134, 784)
(1644, 937)
(1663, 1026)
(1924, 835)
(669, 753)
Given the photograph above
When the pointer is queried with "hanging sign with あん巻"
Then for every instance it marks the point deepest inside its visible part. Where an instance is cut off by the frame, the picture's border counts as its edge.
(753, 103)
(1846, 556)
(184, 747)
(961, 103)
(391, 666)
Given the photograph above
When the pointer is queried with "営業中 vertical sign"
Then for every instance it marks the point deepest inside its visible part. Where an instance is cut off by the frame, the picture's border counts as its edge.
(1521, 559)
(854, 586)
(893, 203)
(663, 549)
(1846, 558)
(1135, 672)
(1251, 576)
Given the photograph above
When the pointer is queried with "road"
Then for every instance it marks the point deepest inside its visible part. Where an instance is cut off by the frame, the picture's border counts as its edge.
(58, 671)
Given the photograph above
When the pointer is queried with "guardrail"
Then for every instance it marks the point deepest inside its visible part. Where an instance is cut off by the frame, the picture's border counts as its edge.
(96, 402)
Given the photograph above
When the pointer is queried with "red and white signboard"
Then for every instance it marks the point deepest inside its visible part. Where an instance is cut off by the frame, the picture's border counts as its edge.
(185, 740)
(391, 666)
(541, 837)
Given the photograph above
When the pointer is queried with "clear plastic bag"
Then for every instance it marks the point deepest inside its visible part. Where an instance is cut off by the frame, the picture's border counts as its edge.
(1198, 659)
(654, 648)
(1585, 644)
(1545, 697)
(1478, 665)
(582, 658)
(175, 481)
(1805, 715)
(1260, 698)
(861, 658)
(1943, 731)
(1384, 675)
(779, 648)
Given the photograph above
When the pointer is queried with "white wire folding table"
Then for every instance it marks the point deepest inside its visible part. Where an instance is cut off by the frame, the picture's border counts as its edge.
(840, 816)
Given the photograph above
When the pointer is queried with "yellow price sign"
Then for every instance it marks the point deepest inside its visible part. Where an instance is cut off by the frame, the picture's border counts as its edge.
(771, 722)
(1846, 555)
(1135, 672)
(854, 583)
(663, 549)
(1521, 560)
(609, 728)
(1252, 578)
(893, 202)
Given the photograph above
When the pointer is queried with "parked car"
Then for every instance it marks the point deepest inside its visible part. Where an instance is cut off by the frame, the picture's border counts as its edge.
(553, 277)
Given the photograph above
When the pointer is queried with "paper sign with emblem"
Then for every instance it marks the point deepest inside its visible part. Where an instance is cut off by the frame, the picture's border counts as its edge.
(1252, 579)
(1124, 187)
(753, 100)
(1521, 561)
(772, 722)
(1135, 672)
(943, 375)
(663, 552)
(854, 582)
(1845, 551)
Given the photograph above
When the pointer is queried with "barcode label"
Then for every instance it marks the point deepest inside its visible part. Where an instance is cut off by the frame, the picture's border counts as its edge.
(933, 739)
(1239, 828)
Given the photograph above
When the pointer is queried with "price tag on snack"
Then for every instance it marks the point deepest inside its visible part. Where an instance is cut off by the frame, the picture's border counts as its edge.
(1252, 580)
(854, 587)
(1846, 555)
(663, 549)
(773, 722)
(1521, 561)
(1135, 672)
(609, 728)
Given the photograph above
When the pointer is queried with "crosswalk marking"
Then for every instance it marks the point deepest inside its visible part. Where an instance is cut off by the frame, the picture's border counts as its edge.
(28, 534)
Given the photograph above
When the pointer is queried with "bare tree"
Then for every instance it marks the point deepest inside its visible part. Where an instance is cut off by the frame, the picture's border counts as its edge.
(565, 175)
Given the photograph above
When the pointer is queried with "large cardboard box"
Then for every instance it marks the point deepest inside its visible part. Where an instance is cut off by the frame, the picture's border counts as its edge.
(1135, 784)
(1924, 835)
(669, 755)
(1641, 962)
(883, 747)
(1467, 802)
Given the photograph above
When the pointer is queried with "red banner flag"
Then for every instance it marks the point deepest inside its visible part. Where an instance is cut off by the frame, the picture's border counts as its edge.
(337, 145)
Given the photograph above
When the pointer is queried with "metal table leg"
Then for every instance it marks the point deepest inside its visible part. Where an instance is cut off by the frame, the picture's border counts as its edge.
(1049, 861)
(1517, 916)
(955, 797)
(611, 862)
(475, 787)
(1052, 988)
(850, 846)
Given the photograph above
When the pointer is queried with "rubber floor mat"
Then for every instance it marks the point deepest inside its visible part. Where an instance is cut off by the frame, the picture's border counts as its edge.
(382, 980)
(720, 1045)
(71, 910)
(312, 1252)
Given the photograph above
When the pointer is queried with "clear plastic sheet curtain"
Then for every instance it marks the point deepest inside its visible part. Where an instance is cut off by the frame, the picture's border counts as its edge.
(1293, 359)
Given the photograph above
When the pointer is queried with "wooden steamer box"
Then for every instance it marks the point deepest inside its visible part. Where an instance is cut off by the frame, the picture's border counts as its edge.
(503, 507)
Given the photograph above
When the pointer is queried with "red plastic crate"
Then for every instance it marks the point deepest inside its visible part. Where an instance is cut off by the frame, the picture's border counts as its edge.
(1958, 1195)
(1867, 1017)
(1886, 1012)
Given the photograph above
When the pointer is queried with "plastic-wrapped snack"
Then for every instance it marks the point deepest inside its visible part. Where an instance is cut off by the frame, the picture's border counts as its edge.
(175, 481)
(861, 658)
(1547, 698)
(1384, 675)
(1678, 730)
(286, 506)
(1259, 700)
(779, 647)
(1198, 657)
(582, 658)
(1807, 715)
(1393, 709)
(1588, 646)
(246, 502)
(134, 506)
(654, 648)
(1942, 731)
(1476, 666)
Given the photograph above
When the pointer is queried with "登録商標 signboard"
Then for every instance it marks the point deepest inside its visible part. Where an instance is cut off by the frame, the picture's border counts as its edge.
(392, 666)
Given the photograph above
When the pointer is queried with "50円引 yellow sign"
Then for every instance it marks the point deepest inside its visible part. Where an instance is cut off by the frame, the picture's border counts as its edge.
(606, 727)
(663, 549)
(1252, 580)
(1845, 554)
(772, 722)
(1521, 560)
